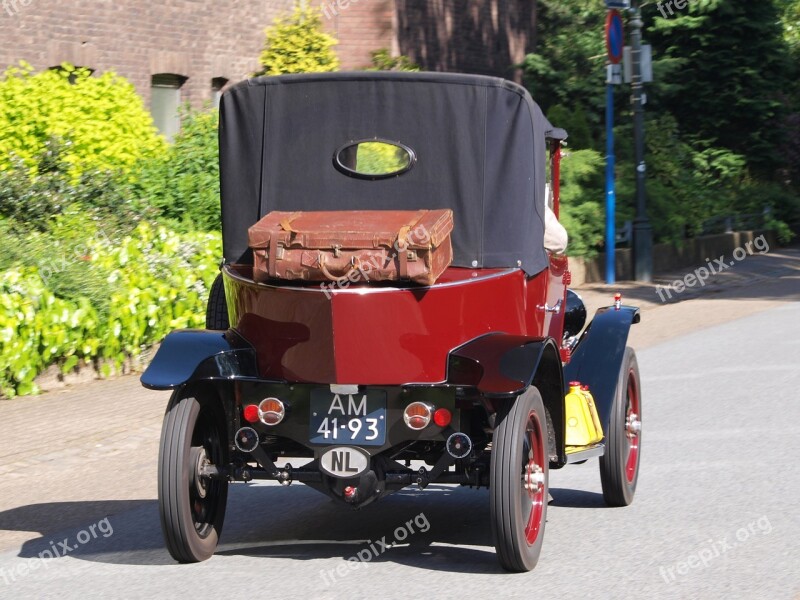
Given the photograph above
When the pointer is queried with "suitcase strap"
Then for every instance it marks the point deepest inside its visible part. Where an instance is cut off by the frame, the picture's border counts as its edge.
(286, 222)
(402, 253)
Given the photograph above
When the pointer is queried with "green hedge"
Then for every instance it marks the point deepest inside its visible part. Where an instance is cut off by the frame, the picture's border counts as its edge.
(182, 185)
(101, 119)
(159, 281)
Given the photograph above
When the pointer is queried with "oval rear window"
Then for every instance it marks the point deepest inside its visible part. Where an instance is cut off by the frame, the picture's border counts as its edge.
(374, 159)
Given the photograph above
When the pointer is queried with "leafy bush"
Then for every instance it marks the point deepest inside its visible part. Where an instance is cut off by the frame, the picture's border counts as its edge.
(296, 43)
(581, 214)
(182, 186)
(382, 60)
(63, 258)
(30, 203)
(102, 120)
(158, 281)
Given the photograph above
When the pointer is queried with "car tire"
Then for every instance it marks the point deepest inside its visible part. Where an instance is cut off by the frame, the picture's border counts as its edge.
(519, 482)
(217, 307)
(619, 466)
(192, 508)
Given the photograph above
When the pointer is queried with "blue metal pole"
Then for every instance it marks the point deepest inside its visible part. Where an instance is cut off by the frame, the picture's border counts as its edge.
(611, 195)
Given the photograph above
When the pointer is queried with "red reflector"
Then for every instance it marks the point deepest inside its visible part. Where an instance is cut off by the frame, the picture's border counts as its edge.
(251, 413)
(442, 417)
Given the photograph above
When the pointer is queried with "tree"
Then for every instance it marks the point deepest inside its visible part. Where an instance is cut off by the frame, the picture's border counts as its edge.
(296, 43)
(567, 68)
(721, 71)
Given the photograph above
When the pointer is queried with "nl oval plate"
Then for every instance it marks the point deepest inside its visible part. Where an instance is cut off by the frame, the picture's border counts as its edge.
(344, 462)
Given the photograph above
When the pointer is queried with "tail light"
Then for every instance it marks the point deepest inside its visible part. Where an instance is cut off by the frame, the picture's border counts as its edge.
(271, 411)
(417, 415)
(251, 413)
(442, 417)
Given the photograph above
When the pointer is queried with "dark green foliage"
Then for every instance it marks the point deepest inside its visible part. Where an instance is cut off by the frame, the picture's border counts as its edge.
(567, 68)
(575, 122)
(723, 115)
(30, 202)
(723, 68)
(183, 186)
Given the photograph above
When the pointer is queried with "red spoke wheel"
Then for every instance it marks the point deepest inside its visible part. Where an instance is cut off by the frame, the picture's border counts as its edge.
(519, 480)
(619, 467)
(192, 505)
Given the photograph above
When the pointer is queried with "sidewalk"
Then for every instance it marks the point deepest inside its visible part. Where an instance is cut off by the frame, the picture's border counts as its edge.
(67, 453)
(758, 283)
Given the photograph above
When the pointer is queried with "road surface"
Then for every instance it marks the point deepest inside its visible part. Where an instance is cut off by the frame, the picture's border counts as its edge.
(716, 514)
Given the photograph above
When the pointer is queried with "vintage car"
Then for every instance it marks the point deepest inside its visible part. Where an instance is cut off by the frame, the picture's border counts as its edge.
(487, 378)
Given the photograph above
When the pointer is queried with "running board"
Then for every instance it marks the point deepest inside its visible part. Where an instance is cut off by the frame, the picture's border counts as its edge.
(581, 453)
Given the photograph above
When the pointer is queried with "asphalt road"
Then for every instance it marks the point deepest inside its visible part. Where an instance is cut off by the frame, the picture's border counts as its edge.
(716, 514)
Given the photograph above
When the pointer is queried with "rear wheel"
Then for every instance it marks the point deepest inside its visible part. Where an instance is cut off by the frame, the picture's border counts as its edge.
(619, 467)
(217, 308)
(192, 506)
(519, 481)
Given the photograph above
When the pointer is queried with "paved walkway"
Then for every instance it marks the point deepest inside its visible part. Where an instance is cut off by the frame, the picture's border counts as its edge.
(90, 451)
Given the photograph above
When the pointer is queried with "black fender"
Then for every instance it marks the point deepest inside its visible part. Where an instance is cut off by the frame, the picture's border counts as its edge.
(503, 366)
(597, 359)
(195, 355)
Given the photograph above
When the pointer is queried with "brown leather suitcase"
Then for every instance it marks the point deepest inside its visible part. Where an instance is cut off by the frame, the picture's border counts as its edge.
(352, 246)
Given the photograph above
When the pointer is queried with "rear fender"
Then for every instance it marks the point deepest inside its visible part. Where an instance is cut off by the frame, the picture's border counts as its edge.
(503, 366)
(189, 355)
(597, 359)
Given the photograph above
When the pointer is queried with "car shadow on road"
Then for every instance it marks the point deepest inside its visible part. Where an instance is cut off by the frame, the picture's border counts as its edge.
(445, 528)
(114, 531)
(567, 498)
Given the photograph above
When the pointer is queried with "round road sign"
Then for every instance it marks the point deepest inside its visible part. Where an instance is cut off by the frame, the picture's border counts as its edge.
(615, 36)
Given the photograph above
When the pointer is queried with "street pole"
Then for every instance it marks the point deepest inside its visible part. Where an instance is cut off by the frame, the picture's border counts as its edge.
(642, 231)
(611, 196)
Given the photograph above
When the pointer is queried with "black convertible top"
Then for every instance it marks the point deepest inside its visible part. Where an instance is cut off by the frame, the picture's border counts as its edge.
(479, 141)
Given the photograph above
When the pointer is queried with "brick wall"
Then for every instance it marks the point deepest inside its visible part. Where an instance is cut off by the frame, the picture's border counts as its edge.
(197, 39)
(361, 26)
(203, 40)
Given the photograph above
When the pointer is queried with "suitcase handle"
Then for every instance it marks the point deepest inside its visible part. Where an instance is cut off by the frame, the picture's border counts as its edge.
(330, 275)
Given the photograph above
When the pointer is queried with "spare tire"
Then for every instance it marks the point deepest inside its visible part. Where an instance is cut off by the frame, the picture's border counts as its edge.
(217, 309)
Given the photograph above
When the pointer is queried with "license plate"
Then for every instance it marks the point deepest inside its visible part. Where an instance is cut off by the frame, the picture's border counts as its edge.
(357, 419)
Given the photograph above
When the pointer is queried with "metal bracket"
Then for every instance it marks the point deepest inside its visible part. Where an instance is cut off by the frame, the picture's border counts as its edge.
(552, 309)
